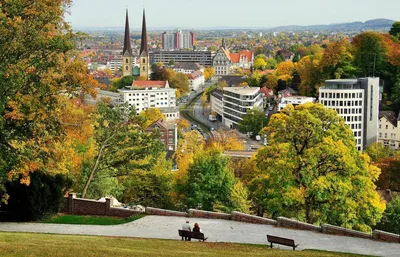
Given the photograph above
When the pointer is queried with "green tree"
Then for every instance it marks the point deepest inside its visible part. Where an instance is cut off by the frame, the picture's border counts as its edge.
(260, 63)
(152, 187)
(391, 218)
(122, 82)
(180, 82)
(209, 182)
(253, 122)
(121, 144)
(312, 170)
(395, 30)
(377, 151)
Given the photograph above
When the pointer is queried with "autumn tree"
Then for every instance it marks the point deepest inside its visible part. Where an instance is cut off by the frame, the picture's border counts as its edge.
(150, 116)
(391, 218)
(37, 63)
(253, 122)
(209, 72)
(191, 143)
(308, 70)
(311, 169)
(284, 71)
(395, 30)
(260, 62)
(337, 61)
(272, 82)
(227, 141)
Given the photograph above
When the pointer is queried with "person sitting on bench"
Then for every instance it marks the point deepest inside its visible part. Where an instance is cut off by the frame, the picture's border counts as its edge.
(196, 228)
(186, 227)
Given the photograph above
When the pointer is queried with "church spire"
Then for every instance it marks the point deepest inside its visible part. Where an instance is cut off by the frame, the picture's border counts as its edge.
(144, 50)
(127, 39)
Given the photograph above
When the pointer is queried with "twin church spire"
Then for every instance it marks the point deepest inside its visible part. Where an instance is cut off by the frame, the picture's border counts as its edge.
(127, 55)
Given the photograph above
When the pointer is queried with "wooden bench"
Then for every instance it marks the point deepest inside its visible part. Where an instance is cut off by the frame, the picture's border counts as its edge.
(189, 234)
(281, 241)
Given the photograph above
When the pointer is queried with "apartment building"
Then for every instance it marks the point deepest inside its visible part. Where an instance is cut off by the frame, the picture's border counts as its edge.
(168, 133)
(177, 40)
(357, 102)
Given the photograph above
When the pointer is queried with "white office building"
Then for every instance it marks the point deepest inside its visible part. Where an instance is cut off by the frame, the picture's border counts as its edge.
(357, 102)
(294, 100)
(237, 101)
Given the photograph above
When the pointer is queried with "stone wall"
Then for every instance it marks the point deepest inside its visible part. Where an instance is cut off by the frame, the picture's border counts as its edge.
(335, 230)
(80, 206)
(289, 223)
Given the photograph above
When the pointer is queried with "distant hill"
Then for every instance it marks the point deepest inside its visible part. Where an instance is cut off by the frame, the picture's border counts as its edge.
(376, 24)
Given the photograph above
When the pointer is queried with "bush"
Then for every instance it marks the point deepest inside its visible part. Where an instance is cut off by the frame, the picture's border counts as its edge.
(44, 196)
(391, 218)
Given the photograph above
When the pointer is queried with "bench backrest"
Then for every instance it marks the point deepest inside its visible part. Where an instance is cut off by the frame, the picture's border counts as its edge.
(280, 240)
(185, 233)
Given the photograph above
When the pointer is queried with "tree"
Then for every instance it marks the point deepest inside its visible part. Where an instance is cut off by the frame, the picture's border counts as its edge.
(285, 70)
(150, 116)
(227, 141)
(308, 70)
(311, 169)
(337, 61)
(121, 145)
(272, 82)
(377, 151)
(391, 218)
(152, 187)
(260, 63)
(181, 82)
(253, 122)
(183, 124)
(209, 181)
(122, 82)
(395, 30)
(37, 62)
(209, 72)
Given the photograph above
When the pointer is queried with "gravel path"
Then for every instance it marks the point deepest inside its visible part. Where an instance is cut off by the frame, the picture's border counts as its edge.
(216, 231)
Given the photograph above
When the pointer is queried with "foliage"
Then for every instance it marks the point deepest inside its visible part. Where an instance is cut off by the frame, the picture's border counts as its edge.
(272, 82)
(191, 143)
(285, 70)
(395, 30)
(90, 220)
(260, 63)
(240, 198)
(243, 168)
(122, 82)
(209, 181)
(378, 151)
(391, 218)
(37, 62)
(151, 187)
(121, 145)
(253, 122)
(151, 115)
(209, 72)
(183, 124)
(227, 141)
(311, 169)
(44, 196)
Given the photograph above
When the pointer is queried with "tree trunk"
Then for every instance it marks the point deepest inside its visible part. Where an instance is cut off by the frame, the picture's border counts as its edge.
(96, 165)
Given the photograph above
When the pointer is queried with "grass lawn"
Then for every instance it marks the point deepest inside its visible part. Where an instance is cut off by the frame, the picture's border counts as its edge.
(29, 244)
(90, 220)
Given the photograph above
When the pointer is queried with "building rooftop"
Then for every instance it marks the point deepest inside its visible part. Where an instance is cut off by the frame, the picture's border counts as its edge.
(188, 66)
(341, 81)
(243, 90)
(390, 116)
(149, 83)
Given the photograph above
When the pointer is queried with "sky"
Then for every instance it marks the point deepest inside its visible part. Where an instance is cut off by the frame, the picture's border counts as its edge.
(228, 13)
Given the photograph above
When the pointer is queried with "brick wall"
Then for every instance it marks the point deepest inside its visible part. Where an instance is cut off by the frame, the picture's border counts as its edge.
(385, 236)
(162, 212)
(289, 223)
(335, 230)
(208, 214)
(238, 216)
(80, 206)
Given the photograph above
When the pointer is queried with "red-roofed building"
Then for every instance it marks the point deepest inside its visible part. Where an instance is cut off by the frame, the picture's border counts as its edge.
(244, 59)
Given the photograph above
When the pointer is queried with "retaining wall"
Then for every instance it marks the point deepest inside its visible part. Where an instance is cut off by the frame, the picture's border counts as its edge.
(289, 223)
(208, 214)
(162, 212)
(385, 236)
(335, 230)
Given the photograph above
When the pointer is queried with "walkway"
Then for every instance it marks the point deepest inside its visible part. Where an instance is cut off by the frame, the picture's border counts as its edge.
(216, 231)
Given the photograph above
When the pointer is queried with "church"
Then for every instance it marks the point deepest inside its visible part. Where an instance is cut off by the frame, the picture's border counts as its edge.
(127, 55)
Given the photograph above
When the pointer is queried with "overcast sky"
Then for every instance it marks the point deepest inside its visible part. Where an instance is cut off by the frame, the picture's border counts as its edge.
(229, 13)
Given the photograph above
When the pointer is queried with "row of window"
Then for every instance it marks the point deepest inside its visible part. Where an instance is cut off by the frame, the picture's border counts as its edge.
(352, 118)
(387, 126)
(143, 94)
(342, 103)
(348, 111)
(341, 95)
(392, 135)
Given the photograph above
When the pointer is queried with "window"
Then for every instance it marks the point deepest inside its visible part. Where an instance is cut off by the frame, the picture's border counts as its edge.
(144, 68)
(385, 135)
(143, 60)
(126, 67)
(126, 61)
(387, 126)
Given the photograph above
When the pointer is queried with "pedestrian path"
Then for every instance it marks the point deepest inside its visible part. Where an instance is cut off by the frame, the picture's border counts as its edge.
(216, 231)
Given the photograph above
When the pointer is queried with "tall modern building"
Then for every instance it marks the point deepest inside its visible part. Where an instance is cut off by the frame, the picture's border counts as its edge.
(357, 102)
(177, 40)
(144, 60)
(237, 101)
(127, 55)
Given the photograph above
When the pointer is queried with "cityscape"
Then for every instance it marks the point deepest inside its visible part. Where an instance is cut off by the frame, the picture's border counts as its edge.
(236, 134)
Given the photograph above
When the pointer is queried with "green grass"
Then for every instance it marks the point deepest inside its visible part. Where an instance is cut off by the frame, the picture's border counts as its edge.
(29, 244)
(90, 220)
